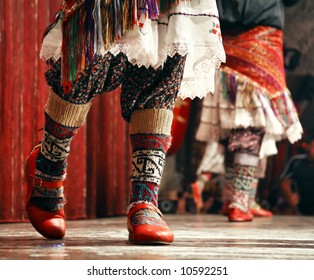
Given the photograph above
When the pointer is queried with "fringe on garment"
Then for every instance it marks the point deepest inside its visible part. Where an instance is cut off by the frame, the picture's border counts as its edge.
(91, 26)
(242, 93)
(240, 103)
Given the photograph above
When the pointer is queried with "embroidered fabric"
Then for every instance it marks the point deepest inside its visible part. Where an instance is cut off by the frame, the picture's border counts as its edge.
(190, 29)
(203, 55)
(199, 70)
(277, 117)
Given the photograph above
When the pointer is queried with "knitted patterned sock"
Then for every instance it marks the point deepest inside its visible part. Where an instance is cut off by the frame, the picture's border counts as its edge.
(245, 145)
(55, 148)
(242, 181)
(252, 194)
(150, 139)
(227, 191)
(51, 160)
(148, 160)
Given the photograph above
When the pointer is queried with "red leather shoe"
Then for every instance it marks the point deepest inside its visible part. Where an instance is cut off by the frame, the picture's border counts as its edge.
(237, 215)
(49, 224)
(147, 232)
(260, 212)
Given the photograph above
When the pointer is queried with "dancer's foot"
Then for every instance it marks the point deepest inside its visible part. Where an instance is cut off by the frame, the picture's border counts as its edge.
(237, 215)
(146, 226)
(50, 224)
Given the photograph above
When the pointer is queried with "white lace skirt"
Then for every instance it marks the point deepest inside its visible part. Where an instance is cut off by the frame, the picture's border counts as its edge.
(190, 28)
(220, 115)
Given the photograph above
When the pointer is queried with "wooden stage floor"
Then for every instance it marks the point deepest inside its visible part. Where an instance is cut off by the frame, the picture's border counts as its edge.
(197, 237)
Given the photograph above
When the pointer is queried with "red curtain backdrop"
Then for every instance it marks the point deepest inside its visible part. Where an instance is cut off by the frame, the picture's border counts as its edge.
(97, 183)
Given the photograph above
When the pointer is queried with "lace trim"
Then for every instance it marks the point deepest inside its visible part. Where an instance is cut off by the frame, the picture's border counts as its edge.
(48, 52)
(197, 85)
(211, 52)
(202, 61)
(52, 44)
(137, 56)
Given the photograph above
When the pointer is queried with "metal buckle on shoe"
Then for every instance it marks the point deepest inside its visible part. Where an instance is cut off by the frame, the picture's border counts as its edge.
(40, 182)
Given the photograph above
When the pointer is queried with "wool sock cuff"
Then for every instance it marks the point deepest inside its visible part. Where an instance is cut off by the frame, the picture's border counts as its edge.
(156, 121)
(66, 113)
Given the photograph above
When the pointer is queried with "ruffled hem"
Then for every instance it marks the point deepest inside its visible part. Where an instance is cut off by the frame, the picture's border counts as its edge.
(251, 108)
(294, 132)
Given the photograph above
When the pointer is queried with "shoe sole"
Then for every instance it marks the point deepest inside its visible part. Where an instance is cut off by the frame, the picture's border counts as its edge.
(153, 242)
(149, 242)
(239, 221)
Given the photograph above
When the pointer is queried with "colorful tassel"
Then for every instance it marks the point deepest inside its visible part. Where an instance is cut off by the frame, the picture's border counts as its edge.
(90, 30)
(91, 26)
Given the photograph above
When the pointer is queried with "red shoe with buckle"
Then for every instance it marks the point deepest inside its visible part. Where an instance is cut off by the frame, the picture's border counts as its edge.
(49, 224)
(260, 212)
(237, 215)
(146, 227)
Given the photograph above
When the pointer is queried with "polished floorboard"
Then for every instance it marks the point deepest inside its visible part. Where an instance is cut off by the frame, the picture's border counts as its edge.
(197, 237)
